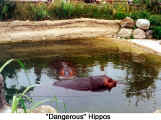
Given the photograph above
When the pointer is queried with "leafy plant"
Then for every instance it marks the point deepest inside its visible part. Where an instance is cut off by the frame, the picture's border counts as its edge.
(156, 32)
(21, 99)
(6, 9)
(9, 61)
(39, 11)
(155, 19)
(152, 5)
(143, 14)
(121, 15)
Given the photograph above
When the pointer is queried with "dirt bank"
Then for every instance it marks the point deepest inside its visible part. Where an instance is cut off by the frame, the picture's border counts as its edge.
(28, 31)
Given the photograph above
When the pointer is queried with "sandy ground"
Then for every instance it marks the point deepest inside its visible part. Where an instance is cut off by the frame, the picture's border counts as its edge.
(152, 44)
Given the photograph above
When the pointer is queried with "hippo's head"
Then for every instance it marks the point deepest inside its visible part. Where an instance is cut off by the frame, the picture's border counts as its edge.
(66, 72)
(109, 83)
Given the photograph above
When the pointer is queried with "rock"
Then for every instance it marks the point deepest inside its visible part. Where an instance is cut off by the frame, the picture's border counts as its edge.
(158, 111)
(149, 34)
(125, 33)
(138, 58)
(143, 24)
(130, 2)
(40, 109)
(44, 109)
(160, 42)
(138, 34)
(127, 22)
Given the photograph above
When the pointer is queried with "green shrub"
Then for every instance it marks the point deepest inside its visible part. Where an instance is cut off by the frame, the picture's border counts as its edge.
(120, 15)
(31, 11)
(62, 11)
(6, 9)
(39, 11)
(140, 14)
(155, 19)
(156, 32)
(71, 10)
(152, 5)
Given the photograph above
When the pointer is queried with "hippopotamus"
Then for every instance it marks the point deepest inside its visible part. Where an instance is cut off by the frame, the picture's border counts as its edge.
(94, 83)
(64, 70)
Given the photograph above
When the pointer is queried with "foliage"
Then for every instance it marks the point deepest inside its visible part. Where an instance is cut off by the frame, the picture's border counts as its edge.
(155, 19)
(156, 31)
(121, 15)
(72, 10)
(6, 9)
(144, 14)
(31, 11)
(152, 5)
(9, 61)
(20, 100)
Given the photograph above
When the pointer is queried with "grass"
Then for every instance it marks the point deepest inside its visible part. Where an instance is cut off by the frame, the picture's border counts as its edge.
(21, 100)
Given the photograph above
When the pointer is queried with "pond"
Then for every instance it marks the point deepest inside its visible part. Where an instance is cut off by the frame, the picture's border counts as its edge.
(138, 90)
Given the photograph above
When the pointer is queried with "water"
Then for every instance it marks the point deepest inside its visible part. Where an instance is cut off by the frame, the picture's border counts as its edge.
(140, 90)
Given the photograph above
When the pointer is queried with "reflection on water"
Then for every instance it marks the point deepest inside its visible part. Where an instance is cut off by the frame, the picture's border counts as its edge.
(138, 89)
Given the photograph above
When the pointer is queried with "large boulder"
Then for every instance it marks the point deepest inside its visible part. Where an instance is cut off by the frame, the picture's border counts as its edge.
(125, 33)
(143, 24)
(127, 22)
(139, 34)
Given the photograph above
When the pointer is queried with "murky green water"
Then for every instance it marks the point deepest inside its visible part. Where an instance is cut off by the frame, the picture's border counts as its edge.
(140, 91)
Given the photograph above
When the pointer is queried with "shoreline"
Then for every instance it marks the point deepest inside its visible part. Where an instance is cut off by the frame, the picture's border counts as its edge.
(71, 36)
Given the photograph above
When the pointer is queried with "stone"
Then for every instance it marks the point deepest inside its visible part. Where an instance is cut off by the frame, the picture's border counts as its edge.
(40, 109)
(143, 24)
(160, 42)
(138, 58)
(157, 111)
(44, 109)
(149, 34)
(125, 33)
(130, 2)
(127, 22)
(138, 34)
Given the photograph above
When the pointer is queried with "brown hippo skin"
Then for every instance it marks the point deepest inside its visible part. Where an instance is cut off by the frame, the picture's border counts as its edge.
(95, 83)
